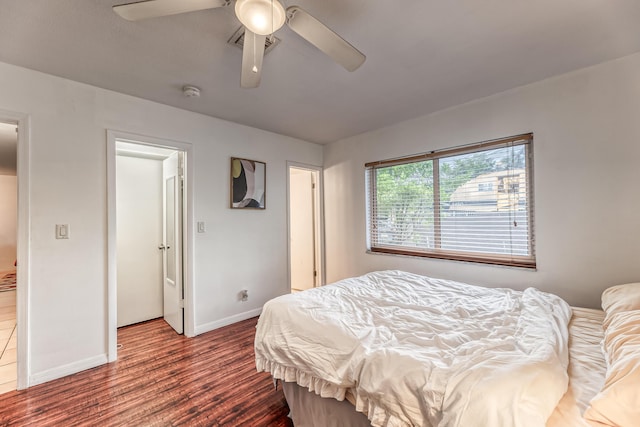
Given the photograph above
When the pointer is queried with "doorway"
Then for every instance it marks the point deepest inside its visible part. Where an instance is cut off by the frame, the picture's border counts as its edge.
(150, 201)
(8, 255)
(149, 256)
(306, 263)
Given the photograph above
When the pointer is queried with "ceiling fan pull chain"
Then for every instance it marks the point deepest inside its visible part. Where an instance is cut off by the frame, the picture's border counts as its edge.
(272, 23)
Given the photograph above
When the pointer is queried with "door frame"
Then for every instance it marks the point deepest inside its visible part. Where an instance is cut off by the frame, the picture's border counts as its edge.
(113, 136)
(23, 332)
(319, 229)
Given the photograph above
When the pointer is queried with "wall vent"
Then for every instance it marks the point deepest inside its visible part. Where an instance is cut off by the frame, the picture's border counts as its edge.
(237, 40)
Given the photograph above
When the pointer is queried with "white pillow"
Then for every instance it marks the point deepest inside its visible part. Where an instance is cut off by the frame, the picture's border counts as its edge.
(619, 299)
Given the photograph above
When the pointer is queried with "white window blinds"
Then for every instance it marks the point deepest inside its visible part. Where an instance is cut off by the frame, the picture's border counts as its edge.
(471, 203)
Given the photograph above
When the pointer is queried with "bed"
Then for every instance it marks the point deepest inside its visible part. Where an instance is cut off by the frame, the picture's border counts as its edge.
(398, 349)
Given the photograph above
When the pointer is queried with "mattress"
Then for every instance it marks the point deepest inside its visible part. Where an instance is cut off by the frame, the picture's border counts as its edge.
(415, 350)
(587, 368)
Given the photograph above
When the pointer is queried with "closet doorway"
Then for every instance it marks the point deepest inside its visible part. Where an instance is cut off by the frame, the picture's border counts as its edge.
(306, 263)
(8, 255)
(149, 234)
(149, 211)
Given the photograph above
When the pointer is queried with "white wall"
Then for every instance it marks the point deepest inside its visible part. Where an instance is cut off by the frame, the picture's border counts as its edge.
(586, 127)
(242, 249)
(8, 221)
(139, 232)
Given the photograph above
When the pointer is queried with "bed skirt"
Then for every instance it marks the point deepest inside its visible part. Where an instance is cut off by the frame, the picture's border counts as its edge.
(310, 410)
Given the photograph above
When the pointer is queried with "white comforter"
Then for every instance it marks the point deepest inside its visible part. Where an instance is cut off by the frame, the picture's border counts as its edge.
(420, 351)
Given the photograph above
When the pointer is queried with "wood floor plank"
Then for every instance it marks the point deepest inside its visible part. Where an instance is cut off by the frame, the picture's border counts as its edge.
(159, 379)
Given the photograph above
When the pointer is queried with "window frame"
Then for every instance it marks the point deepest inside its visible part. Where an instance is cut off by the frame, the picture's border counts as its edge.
(510, 260)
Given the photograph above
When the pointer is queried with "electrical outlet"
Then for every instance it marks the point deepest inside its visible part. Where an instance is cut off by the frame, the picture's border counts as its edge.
(244, 295)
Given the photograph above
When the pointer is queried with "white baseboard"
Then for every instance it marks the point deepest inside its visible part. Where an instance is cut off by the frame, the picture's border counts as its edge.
(92, 362)
(201, 329)
(64, 370)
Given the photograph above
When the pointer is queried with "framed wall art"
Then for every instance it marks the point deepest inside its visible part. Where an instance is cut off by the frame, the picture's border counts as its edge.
(248, 184)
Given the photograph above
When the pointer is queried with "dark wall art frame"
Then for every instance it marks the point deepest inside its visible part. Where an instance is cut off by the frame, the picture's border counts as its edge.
(248, 183)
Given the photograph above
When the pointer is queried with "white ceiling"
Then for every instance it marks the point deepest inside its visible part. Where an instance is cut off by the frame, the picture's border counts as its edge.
(422, 56)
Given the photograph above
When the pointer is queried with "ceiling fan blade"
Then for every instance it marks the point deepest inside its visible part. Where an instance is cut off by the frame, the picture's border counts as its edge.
(155, 8)
(252, 55)
(319, 35)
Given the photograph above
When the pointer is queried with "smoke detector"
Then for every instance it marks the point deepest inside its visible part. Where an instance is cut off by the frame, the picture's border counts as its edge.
(191, 91)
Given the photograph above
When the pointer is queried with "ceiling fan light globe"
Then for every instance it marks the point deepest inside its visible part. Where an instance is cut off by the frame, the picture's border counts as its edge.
(261, 17)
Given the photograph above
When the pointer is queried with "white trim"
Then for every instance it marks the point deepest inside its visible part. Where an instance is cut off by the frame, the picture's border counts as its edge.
(188, 250)
(207, 327)
(320, 237)
(112, 270)
(64, 370)
(23, 251)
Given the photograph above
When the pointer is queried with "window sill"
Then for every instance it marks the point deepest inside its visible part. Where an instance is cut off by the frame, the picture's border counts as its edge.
(496, 262)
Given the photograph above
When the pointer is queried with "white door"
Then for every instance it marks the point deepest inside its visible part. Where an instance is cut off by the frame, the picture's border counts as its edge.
(139, 201)
(302, 229)
(172, 241)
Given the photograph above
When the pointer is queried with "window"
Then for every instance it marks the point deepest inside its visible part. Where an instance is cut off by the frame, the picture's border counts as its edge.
(471, 203)
(485, 186)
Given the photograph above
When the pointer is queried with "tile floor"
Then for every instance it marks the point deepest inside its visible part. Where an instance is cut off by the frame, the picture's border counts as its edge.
(8, 368)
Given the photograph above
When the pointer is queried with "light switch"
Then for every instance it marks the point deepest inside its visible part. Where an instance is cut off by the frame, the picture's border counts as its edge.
(62, 231)
(201, 227)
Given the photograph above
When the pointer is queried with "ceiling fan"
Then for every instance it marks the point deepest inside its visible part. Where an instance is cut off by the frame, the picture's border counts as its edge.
(260, 19)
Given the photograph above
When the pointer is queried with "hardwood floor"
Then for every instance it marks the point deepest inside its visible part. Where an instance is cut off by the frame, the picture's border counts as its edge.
(8, 343)
(159, 379)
